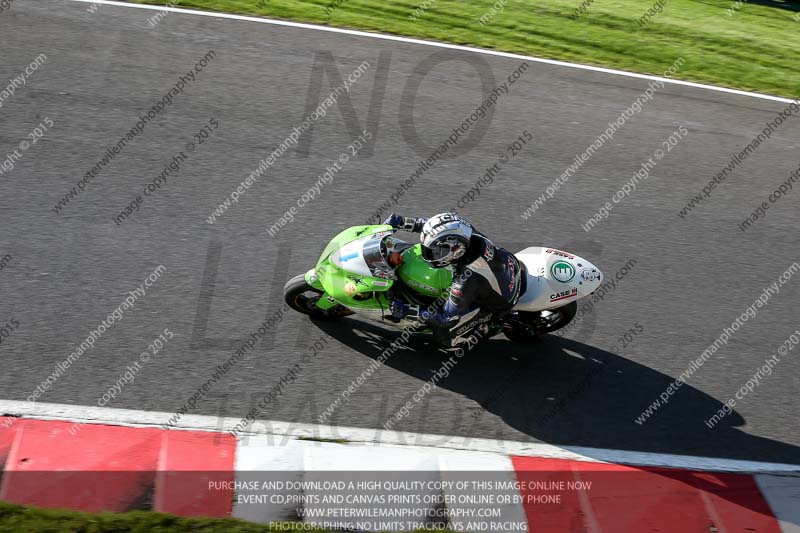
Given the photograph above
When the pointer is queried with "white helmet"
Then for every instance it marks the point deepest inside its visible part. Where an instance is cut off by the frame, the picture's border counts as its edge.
(445, 238)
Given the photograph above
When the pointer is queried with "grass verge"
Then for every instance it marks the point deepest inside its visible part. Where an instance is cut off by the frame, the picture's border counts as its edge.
(25, 519)
(753, 46)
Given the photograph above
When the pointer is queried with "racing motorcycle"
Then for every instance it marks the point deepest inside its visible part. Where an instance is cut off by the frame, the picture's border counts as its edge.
(364, 268)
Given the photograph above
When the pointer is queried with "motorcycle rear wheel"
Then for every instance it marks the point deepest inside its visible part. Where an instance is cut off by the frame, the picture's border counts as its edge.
(529, 326)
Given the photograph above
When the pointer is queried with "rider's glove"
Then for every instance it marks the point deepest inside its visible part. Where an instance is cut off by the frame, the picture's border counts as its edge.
(414, 225)
(396, 221)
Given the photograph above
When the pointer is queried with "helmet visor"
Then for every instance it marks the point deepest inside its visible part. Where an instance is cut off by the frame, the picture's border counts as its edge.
(435, 252)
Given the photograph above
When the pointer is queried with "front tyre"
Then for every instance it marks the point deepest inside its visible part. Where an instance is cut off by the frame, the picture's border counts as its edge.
(303, 298)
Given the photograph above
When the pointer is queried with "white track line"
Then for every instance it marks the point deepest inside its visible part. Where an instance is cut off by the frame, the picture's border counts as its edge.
(439, 45)
(782, 493)
(267, 430)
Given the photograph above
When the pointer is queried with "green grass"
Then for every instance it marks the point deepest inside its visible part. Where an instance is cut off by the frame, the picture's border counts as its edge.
(756, 49)
(26, 519)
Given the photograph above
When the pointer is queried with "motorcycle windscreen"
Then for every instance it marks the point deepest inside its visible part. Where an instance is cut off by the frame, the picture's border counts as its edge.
(348, 236)
(364, 257)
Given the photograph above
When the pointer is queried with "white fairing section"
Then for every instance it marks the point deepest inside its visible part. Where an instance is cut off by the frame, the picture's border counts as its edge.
(555, 278)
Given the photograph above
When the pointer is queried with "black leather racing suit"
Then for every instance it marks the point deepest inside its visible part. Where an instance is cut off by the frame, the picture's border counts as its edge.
(487, 281)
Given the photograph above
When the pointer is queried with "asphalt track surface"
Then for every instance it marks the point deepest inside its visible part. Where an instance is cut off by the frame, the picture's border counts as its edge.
(692, 277)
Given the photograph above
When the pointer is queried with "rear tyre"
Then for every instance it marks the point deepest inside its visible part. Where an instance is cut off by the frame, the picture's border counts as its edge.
(303, 298)
(525, 327)
(519, 333)
(566, 312)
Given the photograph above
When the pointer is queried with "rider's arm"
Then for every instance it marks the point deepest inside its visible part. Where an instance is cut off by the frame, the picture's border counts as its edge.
(414, 225)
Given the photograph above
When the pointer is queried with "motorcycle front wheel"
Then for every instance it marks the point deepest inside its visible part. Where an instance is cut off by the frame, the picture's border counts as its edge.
(302, 297)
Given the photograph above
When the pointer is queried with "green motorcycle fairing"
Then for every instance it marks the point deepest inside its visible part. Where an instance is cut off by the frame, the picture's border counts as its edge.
(353, 271)
(421, 277)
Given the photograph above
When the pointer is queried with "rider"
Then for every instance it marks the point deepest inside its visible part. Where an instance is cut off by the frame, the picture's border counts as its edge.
(486, 279)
